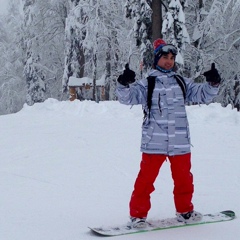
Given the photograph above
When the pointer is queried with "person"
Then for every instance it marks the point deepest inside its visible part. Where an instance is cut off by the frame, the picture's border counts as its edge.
(165, 130)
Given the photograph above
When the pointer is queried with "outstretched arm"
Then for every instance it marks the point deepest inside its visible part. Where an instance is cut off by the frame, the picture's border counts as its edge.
(133, 94)
(200, 92)
(204, 92)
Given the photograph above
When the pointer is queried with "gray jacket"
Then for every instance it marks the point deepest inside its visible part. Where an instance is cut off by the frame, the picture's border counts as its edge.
(166, 131)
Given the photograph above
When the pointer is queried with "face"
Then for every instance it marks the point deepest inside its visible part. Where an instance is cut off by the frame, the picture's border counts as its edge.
(167, 61)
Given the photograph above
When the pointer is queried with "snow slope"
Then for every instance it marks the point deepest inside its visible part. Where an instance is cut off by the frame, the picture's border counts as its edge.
(69, 165)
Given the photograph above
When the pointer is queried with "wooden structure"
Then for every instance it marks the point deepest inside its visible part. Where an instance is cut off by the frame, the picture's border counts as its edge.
(84, 86)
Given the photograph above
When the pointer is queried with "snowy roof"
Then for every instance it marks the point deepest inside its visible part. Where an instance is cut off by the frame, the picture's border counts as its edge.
(77, 82)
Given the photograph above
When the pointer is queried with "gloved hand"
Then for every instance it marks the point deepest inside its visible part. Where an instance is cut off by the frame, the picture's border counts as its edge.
(212, 76)
(127, 77)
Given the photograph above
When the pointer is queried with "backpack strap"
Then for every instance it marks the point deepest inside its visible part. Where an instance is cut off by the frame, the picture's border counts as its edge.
(151, 85)
(182, 85)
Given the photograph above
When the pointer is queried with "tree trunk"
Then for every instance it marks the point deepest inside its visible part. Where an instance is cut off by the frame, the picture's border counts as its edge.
(94, 93)
(108, 70)
(156, 19)
(199, 19)
(81, 61)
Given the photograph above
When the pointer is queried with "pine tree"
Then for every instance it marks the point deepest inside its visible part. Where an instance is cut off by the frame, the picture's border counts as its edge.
(195, 14)
(74, 57)
(141, 12)
(174, 29)
(34, 75)
(112, 49)
(237, 95)
(97, 29)
(12, 82)
(220, 41)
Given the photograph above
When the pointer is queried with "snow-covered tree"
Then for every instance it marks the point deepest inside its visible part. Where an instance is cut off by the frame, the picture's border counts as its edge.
(193, 57)
(113, 35)
(74, 35)
(53, 42)
(226, 94)
(174, 29)
(56, 39)
(97, 29)
(141, 12)
(12, 82)
(44, 24)
(236, 103)
(35, 77)
(219, 40)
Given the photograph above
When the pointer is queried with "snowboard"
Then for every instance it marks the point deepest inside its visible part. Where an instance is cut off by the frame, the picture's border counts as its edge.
(162, 224)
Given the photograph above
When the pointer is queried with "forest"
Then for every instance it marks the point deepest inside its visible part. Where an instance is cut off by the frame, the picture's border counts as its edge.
(43, 43)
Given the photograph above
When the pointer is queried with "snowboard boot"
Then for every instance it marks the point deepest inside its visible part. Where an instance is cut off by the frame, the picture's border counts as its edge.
(189, 217)
(137, 222)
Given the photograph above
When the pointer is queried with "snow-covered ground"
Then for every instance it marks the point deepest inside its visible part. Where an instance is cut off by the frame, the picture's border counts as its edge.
(69, 165)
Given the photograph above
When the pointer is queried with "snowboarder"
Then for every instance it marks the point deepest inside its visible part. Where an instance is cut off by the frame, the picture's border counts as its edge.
(165, 129)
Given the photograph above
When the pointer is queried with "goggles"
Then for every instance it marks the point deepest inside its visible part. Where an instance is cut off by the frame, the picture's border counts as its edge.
(169, 48)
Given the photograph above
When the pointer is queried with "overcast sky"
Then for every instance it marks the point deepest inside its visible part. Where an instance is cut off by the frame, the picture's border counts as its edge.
(3, 6)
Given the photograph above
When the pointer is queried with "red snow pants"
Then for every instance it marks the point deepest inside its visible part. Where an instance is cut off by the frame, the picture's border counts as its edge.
(149, 168)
